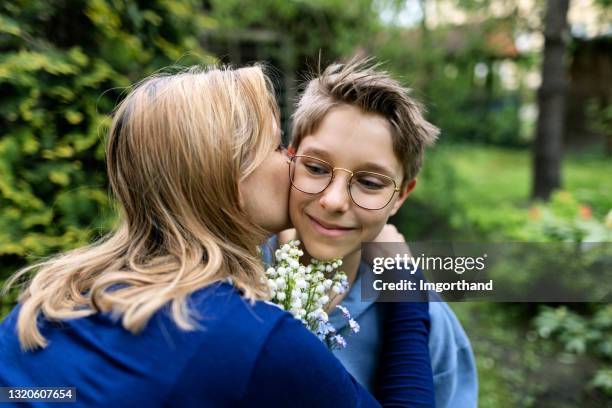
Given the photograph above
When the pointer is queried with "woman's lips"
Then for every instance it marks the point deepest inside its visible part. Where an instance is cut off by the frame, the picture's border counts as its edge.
(329, 230)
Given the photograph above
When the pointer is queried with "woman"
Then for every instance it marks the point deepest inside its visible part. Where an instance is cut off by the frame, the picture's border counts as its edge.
(155, 314)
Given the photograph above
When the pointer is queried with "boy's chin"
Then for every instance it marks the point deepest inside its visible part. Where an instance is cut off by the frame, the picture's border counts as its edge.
(325, 252)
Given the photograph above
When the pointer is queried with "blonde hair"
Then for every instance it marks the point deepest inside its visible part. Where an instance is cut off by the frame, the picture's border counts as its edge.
(178, 147)
(362, 84)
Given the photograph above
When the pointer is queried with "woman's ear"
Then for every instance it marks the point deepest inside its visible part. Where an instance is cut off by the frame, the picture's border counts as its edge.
(403, 196)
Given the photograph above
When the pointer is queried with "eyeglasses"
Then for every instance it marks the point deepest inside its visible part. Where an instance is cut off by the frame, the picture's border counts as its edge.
(368, 190)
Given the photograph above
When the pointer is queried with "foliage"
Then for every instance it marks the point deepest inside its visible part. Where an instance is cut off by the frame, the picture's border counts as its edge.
(471, 192)
(509, 358)
(63, 67)
(458, 74)
(480, 193)
(320, 28)
(564, 219)
(578, 334)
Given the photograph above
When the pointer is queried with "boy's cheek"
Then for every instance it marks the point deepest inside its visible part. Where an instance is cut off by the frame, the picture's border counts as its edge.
(372, 227)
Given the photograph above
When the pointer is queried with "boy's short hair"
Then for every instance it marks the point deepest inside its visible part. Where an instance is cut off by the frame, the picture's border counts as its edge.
(362, 84)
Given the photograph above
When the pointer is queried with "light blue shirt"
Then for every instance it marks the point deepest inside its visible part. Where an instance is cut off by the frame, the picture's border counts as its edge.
(452, 360)
(361, 355)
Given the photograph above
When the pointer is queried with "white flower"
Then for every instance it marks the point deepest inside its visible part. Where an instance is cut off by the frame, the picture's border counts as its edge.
(344, 311)
(314, 314)
(340, 341)
(309, 287)
(272, 284)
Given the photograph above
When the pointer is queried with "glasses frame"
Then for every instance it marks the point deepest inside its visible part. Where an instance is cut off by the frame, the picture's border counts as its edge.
(292, 159)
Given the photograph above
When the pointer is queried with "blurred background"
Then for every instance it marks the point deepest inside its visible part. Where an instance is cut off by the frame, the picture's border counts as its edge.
(522, 91)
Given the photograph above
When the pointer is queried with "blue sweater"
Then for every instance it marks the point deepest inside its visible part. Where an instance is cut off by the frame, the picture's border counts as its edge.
(242, 355)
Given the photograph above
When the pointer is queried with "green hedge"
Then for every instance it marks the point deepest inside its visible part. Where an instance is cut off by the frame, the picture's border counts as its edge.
(63, 67)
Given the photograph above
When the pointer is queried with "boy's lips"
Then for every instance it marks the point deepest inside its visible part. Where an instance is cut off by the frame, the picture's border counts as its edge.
(328, 229)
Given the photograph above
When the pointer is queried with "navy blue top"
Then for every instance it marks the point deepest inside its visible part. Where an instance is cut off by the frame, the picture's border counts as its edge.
(242, 355)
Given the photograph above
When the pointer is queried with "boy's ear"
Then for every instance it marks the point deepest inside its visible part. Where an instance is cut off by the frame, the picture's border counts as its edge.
(403, 196)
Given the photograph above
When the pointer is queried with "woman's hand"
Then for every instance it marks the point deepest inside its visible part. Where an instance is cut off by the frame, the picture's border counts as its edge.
(389, 234)
(286, 236)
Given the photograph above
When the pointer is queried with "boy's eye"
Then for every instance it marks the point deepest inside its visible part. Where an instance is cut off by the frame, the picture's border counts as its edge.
(371, 183)
(316, 169)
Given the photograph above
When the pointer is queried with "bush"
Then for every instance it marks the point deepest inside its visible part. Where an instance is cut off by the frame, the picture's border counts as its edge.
(63, 67)
(579, 334)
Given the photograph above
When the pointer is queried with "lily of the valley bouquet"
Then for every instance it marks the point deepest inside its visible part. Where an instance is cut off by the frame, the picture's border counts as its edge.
(306, 290)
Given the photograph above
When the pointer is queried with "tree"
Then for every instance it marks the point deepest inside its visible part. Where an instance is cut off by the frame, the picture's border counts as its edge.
(547, 149)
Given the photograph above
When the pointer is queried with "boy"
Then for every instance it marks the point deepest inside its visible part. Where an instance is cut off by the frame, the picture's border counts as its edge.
(357, 146)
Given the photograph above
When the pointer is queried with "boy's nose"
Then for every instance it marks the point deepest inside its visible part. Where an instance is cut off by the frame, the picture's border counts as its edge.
(335, 197)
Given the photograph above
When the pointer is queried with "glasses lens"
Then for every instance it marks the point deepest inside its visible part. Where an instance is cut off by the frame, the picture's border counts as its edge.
(309, 175)
(371, 191)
